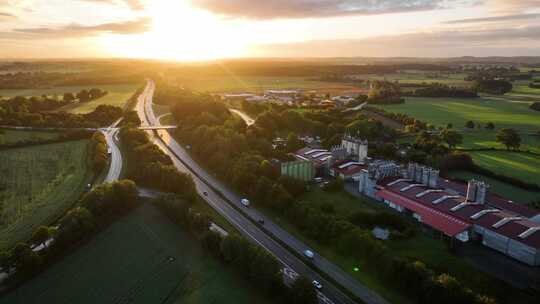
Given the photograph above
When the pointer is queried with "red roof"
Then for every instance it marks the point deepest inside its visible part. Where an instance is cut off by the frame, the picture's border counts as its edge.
(511, 229)
(349, 170)
(432, 217)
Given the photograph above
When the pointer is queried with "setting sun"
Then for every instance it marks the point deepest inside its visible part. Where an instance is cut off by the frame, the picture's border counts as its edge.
(180, 32)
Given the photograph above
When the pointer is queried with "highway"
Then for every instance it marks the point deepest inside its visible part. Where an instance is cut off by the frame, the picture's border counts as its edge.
(115, 167)
(202, 179)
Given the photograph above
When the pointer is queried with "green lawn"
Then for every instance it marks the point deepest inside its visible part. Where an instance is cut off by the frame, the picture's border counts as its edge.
(8, 136)
(117, 96)
(518, 195)
(37, 185)
(142, 258)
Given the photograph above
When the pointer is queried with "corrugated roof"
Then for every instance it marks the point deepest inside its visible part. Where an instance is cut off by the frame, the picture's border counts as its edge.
(511, 229)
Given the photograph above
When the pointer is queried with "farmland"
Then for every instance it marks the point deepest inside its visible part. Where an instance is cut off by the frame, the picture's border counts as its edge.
(235, 83)
(440, 111)
(149, 260)
(37, 184)
(117, 95)
(504, 113)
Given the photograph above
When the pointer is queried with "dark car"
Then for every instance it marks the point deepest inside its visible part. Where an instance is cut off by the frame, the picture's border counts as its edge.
(205, 193)
(261, 221)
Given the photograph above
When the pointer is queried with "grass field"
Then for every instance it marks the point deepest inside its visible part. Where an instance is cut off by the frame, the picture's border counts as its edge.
(117, 96)
(8, 136)
(502, 112)
(500, 188)
(261, 83)
(440, 111)
(142, 258)
(37, 184)
(520, 165)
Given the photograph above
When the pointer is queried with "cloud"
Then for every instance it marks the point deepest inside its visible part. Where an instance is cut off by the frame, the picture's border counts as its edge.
(5, 16)
(133, 4)
(523, 41)
(513, 6)
(76, 30)
(495, 19)
(284, 9)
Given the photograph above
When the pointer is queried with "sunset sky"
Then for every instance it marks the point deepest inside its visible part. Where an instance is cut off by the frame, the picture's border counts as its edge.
(208, 29)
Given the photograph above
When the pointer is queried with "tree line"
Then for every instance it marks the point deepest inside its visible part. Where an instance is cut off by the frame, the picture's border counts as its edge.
(98, 152)
(22, 114)
(151, 166)
(436, 90)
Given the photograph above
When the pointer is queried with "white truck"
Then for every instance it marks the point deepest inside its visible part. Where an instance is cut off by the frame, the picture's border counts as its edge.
(245, 202)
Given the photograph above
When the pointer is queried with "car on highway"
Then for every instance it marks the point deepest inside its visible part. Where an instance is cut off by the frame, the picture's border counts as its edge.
(309, 254)
(317, 285)
(245, 202)
(205, 193)
(260, 221)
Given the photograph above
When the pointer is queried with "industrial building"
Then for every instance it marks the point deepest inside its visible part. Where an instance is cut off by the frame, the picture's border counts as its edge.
(464, 212)
(302, 170)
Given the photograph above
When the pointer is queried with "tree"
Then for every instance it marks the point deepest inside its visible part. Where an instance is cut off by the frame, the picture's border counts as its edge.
(490, 126)
(451, 137)
(83, 96)
(509, 137)
(68, 97)
(293, 142)
(41, 235)
(449, 125)
(469, 124)
(498, 87)
(302, 292)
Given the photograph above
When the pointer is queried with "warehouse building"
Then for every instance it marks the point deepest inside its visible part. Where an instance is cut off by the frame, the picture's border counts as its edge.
(464, 212)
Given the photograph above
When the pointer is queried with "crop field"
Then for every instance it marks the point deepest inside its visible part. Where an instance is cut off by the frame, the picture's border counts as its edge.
(37, 184)
(520, 165)
(418, 77)
(519, 195)
(8, 136)
(142, 258)
(258, 84)
(117, 96)
(440, 111)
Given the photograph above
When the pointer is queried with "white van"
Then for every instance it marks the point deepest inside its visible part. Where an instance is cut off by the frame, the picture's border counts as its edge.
(308, 253)
(245, 202)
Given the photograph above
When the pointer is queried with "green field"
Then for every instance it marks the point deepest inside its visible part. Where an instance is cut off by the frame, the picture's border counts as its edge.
(117, 96)
(503, 112)
(9, 136)
(418, 77)
(520, 165)
(37, 185)
(235, 83)
(440, 111)
(142, 258)
(517, 194)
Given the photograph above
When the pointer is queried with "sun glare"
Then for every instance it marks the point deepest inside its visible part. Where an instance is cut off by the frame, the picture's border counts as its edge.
(180, 32)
